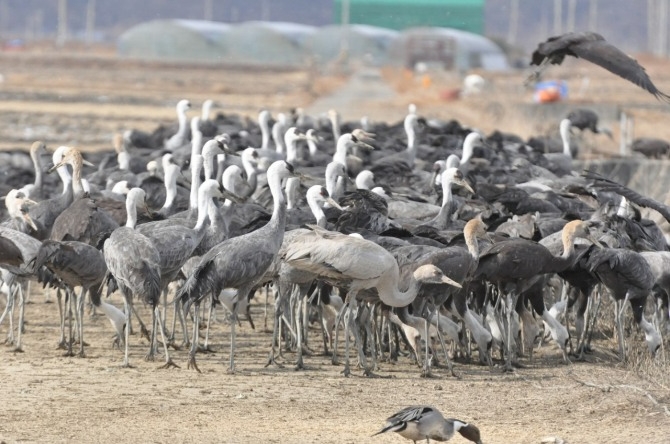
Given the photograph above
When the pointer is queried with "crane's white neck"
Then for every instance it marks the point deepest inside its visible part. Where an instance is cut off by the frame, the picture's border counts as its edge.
(469, 147)
(264, 124)
(277, 136)
(196, 167)
(252, 175)
(335, 123)
(341, 150)
(208, 164)
(37, 164)
(564, 129)
(446, 192)
(292, 187)
(170, 186)
(183, 122)
(132, 199)
(204, 197)
(196, 143)
(410, 129)
(123, 158)
(206, 110)
(316, 209)
(332, 173)
(291, 143)
(340, 188)
(313, 148)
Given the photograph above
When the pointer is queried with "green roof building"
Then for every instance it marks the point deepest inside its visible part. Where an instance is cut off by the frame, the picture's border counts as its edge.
(467, 15)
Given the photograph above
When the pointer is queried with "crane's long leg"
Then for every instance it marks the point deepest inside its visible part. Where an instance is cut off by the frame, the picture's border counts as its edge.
(338, 320)
(511, 304)
(233, 320)
(194, 341)
(10, 309)
(265, 310)
(276, 328)
(70, 314)
(61, 314)
(126, 303)
(182, 321)
(143, 329)
(210, 317)
(299, 365)
(22, 307)
(165, 303)
(370, 331)
(168, 360)
(7, 307)
(80, 321)
(350, 307)
(152, 342)
(620, 328)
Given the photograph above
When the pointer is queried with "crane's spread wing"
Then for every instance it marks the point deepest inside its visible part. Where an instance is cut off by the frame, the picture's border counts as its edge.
(608, 56)
(605, 184)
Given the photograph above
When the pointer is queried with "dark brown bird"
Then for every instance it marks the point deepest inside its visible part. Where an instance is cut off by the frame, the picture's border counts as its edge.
(10, 254)
(594, 48)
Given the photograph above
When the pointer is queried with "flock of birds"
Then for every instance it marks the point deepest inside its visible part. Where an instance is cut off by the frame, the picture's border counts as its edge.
(402, 234)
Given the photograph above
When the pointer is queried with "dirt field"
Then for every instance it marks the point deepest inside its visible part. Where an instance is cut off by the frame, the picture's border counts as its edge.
(49, 398)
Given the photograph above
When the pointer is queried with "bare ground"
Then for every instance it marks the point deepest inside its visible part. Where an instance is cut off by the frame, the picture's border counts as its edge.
(46, 397)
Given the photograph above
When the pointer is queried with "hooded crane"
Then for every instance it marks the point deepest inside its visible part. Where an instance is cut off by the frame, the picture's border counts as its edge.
(423, 422)
(513, 264)
(81, 221)
(239, 262)
(594, 48)
(629, 277)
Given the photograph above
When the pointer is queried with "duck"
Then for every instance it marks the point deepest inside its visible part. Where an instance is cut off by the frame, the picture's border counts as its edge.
(425, 422)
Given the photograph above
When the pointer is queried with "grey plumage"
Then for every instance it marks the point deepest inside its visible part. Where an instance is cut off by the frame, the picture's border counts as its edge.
(239, 262)
(134, 263)
(75, 264)
(423, 422)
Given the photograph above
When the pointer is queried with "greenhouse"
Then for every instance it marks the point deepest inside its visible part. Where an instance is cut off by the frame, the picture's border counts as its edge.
(452, 48)
(191, 40)
(363, 42)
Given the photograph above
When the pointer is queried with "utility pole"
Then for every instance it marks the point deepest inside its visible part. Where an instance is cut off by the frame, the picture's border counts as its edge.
(651, 25)
(572, 12)
(265, 11)
(209, 10)
(4, 17)
(593, 15)
(90, 22)
(558, 17)
(62, 22)
(513, 30)
(344, 44)
(662, 29)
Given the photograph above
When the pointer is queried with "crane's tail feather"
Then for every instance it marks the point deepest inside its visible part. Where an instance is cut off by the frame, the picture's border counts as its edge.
(198, 284)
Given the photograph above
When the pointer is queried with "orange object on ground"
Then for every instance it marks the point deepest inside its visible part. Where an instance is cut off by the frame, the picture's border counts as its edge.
(548, 95)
